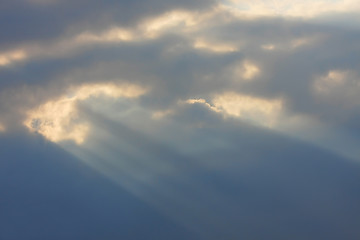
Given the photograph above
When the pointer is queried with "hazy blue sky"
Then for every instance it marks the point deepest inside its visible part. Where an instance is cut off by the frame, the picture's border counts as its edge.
(189, 119)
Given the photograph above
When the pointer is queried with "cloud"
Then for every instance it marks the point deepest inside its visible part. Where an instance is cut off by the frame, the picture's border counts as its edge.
(183, 54)
(255, 110)
(212, 114)
(305, 8)
(67, 16)
(259, 110)
(339, 83)
(184, 172)
(9, 57)
(214, 47)
(247, 70)
(144, 30)
(58, 120)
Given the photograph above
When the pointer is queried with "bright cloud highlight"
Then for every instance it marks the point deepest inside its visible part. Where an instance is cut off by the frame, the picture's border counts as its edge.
(58, 120)
(251, 109)
(304, 8)
(10, 57)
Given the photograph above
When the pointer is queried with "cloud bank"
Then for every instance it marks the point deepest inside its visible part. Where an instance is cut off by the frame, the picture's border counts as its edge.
(246, 107)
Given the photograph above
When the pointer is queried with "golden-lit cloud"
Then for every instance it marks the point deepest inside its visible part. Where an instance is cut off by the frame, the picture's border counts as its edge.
(246, 70)
(58, 120)
(10, 57)
(304, 8)
(115, 34)
(196, 100)
(54, 120)
(338, 87)
(268, 47)
(332, 80)
(295, 43)
(260, 111)
(149, 29)
(67, 45)
(108, 89)
(155, 26)
(189, 24)
(304, 41)
(214, 47)
(161, 114)
(201, 101)
(2, 128)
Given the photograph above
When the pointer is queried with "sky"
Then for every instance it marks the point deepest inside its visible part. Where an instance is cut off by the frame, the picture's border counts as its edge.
(191, 119)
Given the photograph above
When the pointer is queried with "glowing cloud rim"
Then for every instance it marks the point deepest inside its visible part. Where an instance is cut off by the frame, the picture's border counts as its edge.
(58, 120)
(258, 111)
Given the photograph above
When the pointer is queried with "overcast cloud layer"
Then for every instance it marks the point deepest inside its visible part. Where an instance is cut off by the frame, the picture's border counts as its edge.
(200, 119)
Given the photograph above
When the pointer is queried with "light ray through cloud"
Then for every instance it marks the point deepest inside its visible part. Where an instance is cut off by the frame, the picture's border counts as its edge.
(229, 119)
(155, 176)
(58, 120)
